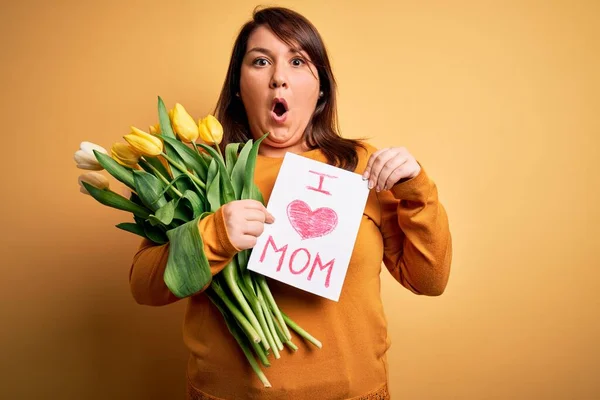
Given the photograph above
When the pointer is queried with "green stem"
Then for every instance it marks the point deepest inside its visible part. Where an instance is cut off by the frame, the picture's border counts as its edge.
(261, 375)
(184, 170)
(261, 353)
(231, 279)
(195, 147)
(219, 150)
(248, 289)
(281, 336)
(256, 309)
(291, 345)
(262, 318)
(216, 145)
(262, 282)
(301, 331)
(161, 177)
(269, 317)
(170, 185)
(235, 331)
(244, 324)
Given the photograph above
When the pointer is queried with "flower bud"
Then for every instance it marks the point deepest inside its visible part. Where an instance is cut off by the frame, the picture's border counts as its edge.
(85, 158)
(144, 143)
(184, 125)
(154, 129)
(125, 155)
(95, 179)
(210, 129)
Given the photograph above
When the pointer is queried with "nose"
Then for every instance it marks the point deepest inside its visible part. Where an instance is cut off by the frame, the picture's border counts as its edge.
(278, 79)
(277, 82)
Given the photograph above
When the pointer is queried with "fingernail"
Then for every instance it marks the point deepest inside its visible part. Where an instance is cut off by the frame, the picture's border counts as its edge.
(378, 189)
(365, 176)
(371, 185)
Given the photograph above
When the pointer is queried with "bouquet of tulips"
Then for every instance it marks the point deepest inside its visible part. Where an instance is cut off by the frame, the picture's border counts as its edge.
(172, 187)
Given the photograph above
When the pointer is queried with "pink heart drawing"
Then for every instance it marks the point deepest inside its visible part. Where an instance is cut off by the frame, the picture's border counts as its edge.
(311, 224)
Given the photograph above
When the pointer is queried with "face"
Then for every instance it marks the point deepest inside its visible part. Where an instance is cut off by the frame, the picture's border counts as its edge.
(279, 88)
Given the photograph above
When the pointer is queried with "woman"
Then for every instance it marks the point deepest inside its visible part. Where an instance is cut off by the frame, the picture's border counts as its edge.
(280, 81)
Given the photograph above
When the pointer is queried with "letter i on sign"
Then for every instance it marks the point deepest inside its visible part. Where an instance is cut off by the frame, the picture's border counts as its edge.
(317, 210)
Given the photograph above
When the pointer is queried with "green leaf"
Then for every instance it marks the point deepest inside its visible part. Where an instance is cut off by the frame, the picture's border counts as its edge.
(156, 163)
(154, 234)
(237, 175)
(164, 120)
(132, 228)
(190, 158)
(213, 194)
(194, 201)
(149, 188)
(182, 184)
(136, 199)
(148, 168)
(212, 172)
(155, 221)
(183, 213)
(118, 171)
(249, 186)
(188, 270)
(227, 188)
(165, 213)
(111, 199)
(231, 155)
(206, 157)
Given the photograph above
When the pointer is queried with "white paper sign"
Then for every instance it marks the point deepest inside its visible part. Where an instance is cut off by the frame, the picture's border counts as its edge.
(318, 210)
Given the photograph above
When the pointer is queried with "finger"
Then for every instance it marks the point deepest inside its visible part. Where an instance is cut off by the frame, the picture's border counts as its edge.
(387, 170)
(254, 228)
(253, 204)
(397, 175)
(257, 205)
(247, 242)
(255, 215)
(378, 165)
(270, 218)
(374, 156)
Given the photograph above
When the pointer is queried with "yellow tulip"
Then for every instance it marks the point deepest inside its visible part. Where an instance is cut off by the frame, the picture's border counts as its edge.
(184, 125)
(154, 129)
(125, 155)
(144, 142)
(85, 157)
(210, 129)
(95, 179)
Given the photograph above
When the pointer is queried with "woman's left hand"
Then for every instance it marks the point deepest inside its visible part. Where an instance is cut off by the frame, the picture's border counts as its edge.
(386, 167)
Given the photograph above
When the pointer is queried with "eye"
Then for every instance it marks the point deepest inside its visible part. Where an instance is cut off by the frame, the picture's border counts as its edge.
(260, 62)
(297, 62)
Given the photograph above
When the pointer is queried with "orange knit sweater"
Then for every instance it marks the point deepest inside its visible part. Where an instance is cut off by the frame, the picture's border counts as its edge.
(406, 229)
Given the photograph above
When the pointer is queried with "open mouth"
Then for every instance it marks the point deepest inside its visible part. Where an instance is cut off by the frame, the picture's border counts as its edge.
(280, 107)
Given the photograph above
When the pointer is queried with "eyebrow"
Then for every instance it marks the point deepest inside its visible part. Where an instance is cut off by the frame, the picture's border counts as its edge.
(270, 53)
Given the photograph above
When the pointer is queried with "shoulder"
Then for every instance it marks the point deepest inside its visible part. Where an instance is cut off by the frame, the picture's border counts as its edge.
(367, 149)
(364, 151)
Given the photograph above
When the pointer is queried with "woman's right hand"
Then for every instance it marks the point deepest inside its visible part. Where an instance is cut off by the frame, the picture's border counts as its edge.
(245, 221)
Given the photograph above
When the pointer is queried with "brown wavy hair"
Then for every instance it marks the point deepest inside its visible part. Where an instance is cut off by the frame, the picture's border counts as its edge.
(322, 131)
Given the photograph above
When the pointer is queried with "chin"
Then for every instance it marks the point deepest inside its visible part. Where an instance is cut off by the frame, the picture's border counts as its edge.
(279, 137)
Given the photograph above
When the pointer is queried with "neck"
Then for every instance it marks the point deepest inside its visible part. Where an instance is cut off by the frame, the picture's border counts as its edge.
(279, 152)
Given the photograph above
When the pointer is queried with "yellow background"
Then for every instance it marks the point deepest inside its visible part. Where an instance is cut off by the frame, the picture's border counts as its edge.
(498, 100)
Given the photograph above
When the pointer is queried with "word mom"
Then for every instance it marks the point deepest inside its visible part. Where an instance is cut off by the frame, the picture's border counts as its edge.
(299, 260)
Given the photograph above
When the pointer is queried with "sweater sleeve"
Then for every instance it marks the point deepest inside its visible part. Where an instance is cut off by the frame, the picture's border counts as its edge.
(416, 235)
(150, 261)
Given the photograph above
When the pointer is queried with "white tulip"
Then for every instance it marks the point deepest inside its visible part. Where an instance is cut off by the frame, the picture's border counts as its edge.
(85, 158)
(95, 179)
